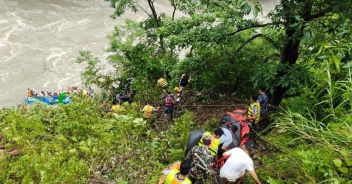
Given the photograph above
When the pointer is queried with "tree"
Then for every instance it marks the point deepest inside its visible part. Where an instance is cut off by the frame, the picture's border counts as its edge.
(219, 30)
(297, 15)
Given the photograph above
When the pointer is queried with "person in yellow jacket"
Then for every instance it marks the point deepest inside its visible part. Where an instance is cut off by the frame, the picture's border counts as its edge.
(148, 111)
(253, 110)
(162, 82)
(177, 173)
(177, 89)
(215, 140)
(115, 108)
(178, 94)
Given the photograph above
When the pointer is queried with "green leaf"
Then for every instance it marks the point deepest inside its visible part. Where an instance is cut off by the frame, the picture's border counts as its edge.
(256, 10)
(337, 63)
(346, 156)
(337, 162)
(347, 65)
(344, 170)
(348, 162)
(344, 153)
(246, 8)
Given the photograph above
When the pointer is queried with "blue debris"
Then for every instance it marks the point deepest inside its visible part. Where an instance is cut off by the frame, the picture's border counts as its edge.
(52, 100)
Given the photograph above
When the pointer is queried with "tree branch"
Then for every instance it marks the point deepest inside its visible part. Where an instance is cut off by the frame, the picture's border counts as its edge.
(258, 35)
(250, 27)
(145, 11)
(173, 13)
(271, 56)
(152, 8)
(157, 21)
(319, 14)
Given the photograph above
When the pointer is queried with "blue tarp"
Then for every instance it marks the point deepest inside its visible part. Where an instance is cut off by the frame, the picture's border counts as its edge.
(47, 100)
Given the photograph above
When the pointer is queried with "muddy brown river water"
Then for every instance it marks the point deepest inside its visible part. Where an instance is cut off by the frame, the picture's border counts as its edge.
(40, 39)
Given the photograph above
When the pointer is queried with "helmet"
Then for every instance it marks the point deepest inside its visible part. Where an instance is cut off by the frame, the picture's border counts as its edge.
(177, 89)
(206, 139)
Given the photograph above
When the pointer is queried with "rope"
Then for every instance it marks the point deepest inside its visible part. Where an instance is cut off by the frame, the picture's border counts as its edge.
(207, 105)
(229, 105)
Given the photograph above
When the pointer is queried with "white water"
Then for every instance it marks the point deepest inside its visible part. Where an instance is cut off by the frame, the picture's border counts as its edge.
(40, 39)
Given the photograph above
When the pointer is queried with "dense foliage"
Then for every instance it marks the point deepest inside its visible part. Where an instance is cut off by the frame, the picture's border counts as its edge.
(302, 56)
(313, 135)
(223, 51)
(79, 143)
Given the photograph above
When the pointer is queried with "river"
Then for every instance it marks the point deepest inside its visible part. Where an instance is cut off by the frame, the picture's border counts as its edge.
(40, 39)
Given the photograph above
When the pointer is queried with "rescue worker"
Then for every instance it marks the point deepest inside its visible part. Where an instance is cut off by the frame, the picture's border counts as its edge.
(253, 111)
(235, 166)
(91, 92)
(201, 159)
(148, 111)
(183, 81)
(117, 98)
(215, 140)
(226, 140)
(85, 92)
(178, 96)
(126, 98)
(177, 89)
(177, 173)
(162, 82)
(263, 101)
(106, 107)
(29, 93)
(169, 102)
(116, 108)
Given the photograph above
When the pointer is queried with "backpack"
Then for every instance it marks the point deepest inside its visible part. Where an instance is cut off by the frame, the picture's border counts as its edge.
(168, 101)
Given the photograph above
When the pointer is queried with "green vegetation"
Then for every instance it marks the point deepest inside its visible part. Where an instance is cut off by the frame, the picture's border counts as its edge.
(302, 56)
(225, 52)
(313, 139)
(78, 143)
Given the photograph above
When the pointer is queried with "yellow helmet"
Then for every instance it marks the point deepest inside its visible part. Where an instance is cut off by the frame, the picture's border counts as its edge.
(177, 89)
(206, 138)
(162, 82)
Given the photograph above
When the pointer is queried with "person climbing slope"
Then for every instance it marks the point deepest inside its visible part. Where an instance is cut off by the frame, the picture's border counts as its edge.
(237, 163)
(116, 107)
(169, 102)
(183, 82)
(263, 101)
(178, 95)
(201, 158)
(148, 111)
(227, 137)
(162, 82)
(253, 111)
(177, 173)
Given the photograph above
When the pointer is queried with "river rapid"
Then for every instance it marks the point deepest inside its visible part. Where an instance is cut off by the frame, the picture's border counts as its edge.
(40, 40)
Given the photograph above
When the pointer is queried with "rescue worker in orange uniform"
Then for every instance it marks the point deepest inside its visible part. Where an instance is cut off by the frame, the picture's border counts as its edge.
(148, 112)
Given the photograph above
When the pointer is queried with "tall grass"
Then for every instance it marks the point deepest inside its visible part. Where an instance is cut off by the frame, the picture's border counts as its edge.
(318, 147)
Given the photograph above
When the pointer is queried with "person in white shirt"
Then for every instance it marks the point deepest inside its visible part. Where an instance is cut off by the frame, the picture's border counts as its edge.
(238, 162)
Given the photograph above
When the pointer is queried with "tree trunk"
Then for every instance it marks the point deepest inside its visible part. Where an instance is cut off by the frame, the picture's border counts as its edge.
(157, 21)
(290, 50)
(288, 55)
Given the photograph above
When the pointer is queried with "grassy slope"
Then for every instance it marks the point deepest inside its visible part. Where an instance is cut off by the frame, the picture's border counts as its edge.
(78, 143)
